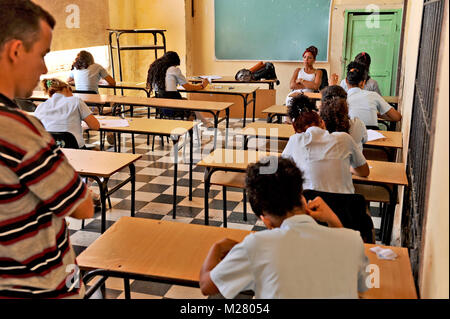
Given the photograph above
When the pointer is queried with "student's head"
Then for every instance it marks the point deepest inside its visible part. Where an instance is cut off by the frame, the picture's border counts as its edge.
(276, 194)
(303, 113)
(356, 74)
(52, 86)
(310, 54)
(157, 70)
(363, 58)
(334, 113)
(25, 38)
(83, 60)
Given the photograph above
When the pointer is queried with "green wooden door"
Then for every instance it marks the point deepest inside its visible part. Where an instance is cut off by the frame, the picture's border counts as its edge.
(380, 40)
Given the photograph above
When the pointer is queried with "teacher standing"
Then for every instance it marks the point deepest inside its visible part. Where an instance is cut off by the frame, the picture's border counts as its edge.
(306, 79)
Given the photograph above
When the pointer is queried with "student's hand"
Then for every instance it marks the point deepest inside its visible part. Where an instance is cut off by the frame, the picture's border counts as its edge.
(223, 247)
(320, 211)
(205, 83)
(334, 79)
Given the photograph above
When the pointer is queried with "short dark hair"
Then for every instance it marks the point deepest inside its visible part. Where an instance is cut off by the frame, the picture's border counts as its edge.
(356, 73)
(83, 60)
(332, 91)
(334, 112)
(20, 19)
(302, 111)
(278, 193)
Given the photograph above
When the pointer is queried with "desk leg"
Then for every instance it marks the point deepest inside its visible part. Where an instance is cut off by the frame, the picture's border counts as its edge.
(175, 177)
(133, 188)
(191, 159)
(216, 128)
(126, 286)
(390, 217)
(254, 105)
(227, 125)
(102, 185)
(208, 173)
(245, 109)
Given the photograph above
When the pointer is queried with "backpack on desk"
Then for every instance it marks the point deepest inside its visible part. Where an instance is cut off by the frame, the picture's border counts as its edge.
(257, 72)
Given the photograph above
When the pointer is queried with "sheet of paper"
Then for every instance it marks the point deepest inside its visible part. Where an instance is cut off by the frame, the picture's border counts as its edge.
(114, 123)
(373, 135)
(210, 77)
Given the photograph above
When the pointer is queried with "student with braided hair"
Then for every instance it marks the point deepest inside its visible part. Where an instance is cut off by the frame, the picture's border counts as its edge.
(366, 105)
(327, 160)
(334, 112)
(63, 112)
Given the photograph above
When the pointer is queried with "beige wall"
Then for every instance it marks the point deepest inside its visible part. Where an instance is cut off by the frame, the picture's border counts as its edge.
(203, 43)
(434, 279)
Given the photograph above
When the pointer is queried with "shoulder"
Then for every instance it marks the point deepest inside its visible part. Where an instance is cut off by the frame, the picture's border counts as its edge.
(174, 70)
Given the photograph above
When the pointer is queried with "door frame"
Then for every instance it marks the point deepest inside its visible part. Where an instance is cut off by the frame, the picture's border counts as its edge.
(398, 13)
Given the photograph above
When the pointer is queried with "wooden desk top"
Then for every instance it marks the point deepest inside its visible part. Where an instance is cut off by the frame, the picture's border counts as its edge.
(396, 280)
(231, 159)
(150, 126)
(276, 109)
(284, 131)
(385, 173)
(230, 79)
(96, 163)
(176, 251)
(87, 98)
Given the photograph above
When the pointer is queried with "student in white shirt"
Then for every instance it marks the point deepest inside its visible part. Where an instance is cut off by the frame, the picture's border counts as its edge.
(86, 73)
(334, 113)
(63, 112)
(164, 76)
(327, 160)
(363, 104)
(295, 257)
(370, 85)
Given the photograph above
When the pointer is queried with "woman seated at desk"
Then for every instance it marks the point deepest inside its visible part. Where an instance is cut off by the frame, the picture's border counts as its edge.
(306, 79)
(326, 159)
(164, 76)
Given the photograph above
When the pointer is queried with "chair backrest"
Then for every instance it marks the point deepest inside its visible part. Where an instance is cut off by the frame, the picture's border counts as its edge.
(324, 79)
(351, 210)
(65, 139)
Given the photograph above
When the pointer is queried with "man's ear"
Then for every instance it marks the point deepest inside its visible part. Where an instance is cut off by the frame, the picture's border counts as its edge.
(14, 48)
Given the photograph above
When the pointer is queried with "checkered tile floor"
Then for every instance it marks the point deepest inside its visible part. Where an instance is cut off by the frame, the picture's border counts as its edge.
(154, 189)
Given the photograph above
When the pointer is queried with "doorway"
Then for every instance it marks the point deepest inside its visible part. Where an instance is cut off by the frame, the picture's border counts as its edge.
(380, 39)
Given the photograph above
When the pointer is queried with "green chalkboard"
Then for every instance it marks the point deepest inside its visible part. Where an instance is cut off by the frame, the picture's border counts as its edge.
(269, 30)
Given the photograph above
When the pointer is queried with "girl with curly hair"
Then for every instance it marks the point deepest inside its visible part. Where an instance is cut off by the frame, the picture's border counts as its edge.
(326, 159)
(164, 76)
(334, 112)
(86, 74)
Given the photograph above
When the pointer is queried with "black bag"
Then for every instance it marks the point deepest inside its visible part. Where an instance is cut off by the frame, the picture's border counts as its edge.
(267, 72)
(243, 75)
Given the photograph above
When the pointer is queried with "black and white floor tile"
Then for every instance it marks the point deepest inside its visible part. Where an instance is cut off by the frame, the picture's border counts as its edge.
(154, 189)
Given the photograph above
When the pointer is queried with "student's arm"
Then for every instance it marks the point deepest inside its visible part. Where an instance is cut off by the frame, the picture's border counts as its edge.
(85, 209)
(392, 115)
(319, 210)
(362, 170)
(70, 81)
(314, 85)
(92, 122)
(217, 252)
(195, 87)
(110, 80)
(293, 84)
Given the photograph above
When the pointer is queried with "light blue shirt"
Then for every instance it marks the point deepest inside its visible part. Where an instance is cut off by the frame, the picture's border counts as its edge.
(300, 259)
(365, 105)
(325, 159)
(174, 77)
(87, 79)
(371, 85)
(358, 131)
(63, 114)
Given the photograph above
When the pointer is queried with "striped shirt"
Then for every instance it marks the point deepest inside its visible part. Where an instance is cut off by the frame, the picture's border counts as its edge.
(38, 188)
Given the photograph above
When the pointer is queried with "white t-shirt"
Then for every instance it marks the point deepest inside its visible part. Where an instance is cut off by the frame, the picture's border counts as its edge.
(371, 85)
(63, 114)
(87, 79)
(365, 105)
(300, 259)
(305, 76)
(325, 159)
(174, 77)
(358, 131)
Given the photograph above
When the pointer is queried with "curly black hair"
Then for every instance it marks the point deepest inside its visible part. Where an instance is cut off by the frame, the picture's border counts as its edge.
(356, 73)
(157, 70)
(303, 112)
(275, 194)
(83, 60)
(332, 91)
(334, 112)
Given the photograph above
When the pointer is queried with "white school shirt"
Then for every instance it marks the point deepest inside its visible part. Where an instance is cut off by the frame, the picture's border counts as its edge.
(174, 77)
(365, 105)
(300, 259)
(63, 114)
(371, 85)
(87, 79)
(325, 159)
(358, 131)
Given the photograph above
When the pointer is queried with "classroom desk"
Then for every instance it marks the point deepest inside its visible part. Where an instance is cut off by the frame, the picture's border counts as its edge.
(123, 85)
(169, 252)
(244, 91)
(231, 80)
(171, 128)
(97, 165)
(388, 175)
(285, 131)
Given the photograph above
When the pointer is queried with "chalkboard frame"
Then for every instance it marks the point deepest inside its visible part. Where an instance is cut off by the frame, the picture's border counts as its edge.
(277, 60)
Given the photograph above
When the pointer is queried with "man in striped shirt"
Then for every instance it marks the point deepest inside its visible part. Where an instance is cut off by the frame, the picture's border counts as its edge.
(38, 187)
